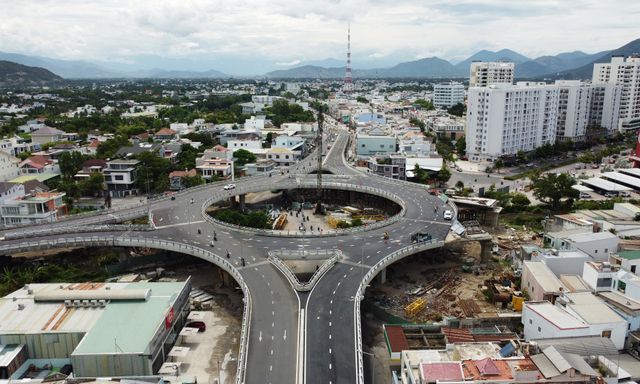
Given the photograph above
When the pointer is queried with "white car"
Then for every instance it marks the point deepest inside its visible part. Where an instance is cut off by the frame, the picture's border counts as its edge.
(448, 215)
(229, 186)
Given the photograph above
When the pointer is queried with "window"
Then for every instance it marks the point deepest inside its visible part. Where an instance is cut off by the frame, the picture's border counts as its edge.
(539, 329)
(119, 177)
(530, 321)
(633, 269)
(606, 333)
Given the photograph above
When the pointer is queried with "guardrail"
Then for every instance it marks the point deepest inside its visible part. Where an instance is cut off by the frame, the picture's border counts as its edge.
(296, 183)
(159, 244)
(293, 279)
(67, 229)
(393, 257)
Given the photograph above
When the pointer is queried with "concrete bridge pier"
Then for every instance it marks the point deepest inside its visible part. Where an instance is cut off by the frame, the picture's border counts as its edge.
(242, 201)
(382, 276)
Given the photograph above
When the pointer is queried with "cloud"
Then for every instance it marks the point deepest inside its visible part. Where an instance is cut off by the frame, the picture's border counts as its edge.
(288, 64)
(279, 32)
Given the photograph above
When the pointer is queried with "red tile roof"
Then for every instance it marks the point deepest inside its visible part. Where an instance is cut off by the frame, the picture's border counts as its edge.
(190, 173)
(486, 367)
(442, 371)
(166, 132)
(395, 338)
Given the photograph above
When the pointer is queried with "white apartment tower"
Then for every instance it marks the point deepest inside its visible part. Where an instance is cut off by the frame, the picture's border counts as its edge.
(503, 119)
(626, 73)
(487, 73)
(574, 103)
(446, 95)
(605, 106)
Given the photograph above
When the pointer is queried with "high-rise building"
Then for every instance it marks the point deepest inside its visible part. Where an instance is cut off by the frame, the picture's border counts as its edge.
(503, 119)
(483, 74)
(626, 73)
(605, 107)
(574, 102)
(446, 95)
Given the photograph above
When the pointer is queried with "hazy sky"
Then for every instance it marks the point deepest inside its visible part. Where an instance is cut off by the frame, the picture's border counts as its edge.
(281, 32)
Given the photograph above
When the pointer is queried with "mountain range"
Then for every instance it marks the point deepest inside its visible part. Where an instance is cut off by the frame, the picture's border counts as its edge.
(568, 65)
(13, 74)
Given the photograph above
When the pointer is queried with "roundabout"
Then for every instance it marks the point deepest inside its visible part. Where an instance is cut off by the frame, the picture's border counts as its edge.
(289, 335)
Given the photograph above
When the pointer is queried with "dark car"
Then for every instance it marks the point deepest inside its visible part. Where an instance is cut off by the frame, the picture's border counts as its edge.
(197, 324)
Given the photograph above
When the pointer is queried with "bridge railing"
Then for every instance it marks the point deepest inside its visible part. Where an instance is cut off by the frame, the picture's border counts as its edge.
(298, 183)
(293, 279)
(125, 241)
(393, 257)
(68, 229)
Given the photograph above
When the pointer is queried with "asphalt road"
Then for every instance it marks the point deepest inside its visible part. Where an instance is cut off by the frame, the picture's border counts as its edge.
(277, 352)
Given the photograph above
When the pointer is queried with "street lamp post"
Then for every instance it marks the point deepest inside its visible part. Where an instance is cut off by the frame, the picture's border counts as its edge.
(373, 361)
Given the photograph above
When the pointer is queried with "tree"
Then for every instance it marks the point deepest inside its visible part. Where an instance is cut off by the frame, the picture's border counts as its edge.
(424, 104)
(461, 146)
(420, 174)
(498, 164)
(459, 185)
(243, 157)
(519, 200)
(521, 156)
(418, 123)
(70, 163)
(92, 185)
(458, 110)
(551, 188)
(153, 172)
(362, 99)
(444, 174)
(187, 157)
(192, 181)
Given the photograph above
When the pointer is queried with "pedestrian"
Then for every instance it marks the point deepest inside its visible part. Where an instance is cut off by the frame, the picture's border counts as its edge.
(228, 254)
(199, 231)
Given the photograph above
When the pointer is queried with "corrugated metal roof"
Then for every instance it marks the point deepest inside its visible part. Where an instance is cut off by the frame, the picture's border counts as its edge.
(583, 346)
(545, 366)
(556, 359)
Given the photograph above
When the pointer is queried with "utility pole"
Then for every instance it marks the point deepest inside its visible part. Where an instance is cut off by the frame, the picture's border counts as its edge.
(319, 170)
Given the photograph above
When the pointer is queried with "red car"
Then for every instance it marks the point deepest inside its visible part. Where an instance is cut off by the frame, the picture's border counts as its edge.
(197, 324)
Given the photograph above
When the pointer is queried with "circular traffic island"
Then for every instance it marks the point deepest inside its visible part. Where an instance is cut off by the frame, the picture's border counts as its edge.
(295, 211)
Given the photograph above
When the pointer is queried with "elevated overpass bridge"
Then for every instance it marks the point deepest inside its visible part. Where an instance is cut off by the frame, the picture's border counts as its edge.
(288, 336)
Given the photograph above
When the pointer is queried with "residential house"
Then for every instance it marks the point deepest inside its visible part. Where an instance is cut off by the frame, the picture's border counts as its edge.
(176, 179)
(121, 177)
(9, 166)
(253, 146)
(376, 142)
(540, 283)
(46, 135)
(165, 134)
(38, 164)
(9, 191)
(294, 143)
(218, 151)
(628, 260)
(283, 156)
(573, 315)
(260, 167)
(90, 167)
(32, 209)
(600, 276)
(92, 147)
(254, 124)
(134, 150)
(597, 245)
(214, 167)
(625, 306)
